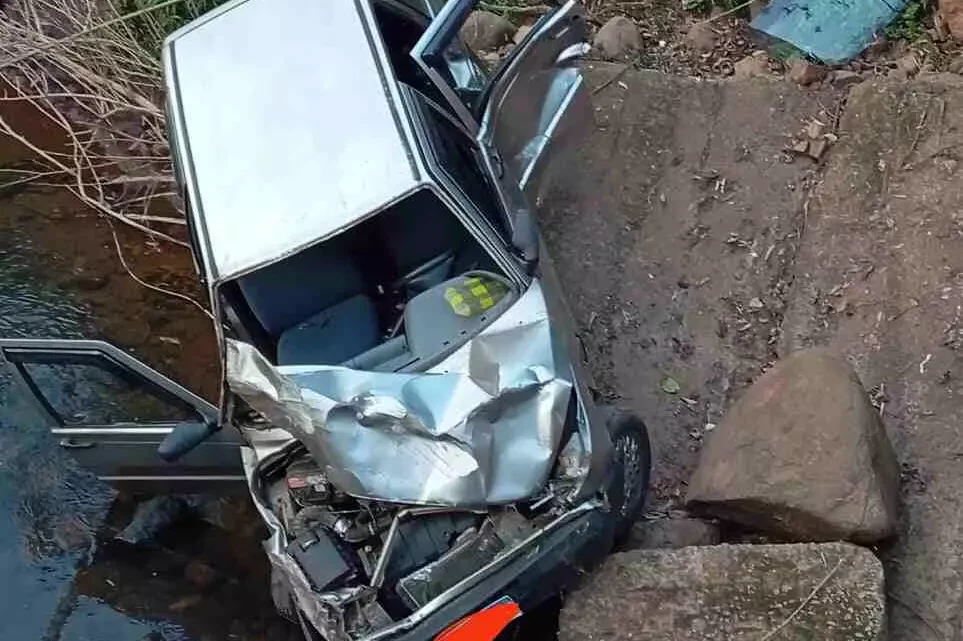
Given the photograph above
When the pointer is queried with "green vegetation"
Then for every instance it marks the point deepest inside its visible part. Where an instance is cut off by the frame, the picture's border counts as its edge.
(910, 25)
(152, 27)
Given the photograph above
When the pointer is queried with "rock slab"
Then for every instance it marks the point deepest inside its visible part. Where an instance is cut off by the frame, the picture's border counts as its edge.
(797, 592)
(802, 455)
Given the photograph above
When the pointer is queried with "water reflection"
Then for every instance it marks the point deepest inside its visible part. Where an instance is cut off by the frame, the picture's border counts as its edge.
(49, 509)
(66, 579)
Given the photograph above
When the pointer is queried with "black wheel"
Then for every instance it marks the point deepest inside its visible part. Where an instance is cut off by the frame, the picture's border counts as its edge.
(630, 444)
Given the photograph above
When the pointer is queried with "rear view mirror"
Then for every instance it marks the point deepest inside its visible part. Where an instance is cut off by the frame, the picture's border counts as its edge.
(184, 438)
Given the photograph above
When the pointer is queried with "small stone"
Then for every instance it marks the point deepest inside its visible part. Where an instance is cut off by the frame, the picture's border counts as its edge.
(701, 37)
(805, 73)
(486, 31)
(909, 64)
(88, 282)
(815, 129)
(618, 38)
(521, 32)
(669, 385)
(750, 67)
(801, 146)
(490, 58)
(950, 165)
(845, 78)
(672, 533)
(756, 303)
(817, 148)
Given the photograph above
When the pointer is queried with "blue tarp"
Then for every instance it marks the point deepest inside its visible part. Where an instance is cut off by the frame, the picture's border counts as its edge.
(832, 31)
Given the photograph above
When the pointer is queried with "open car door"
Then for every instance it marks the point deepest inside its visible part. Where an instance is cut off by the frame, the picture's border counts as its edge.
(532, 105)
(112, 413)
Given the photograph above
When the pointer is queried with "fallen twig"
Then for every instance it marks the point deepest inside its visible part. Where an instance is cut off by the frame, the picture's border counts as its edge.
(812, 595)
(916, 138)
(618, 74)
(727, 12)
(83, 32)
(140, 281)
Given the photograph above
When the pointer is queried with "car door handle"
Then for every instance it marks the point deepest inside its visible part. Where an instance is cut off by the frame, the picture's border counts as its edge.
(70, 444)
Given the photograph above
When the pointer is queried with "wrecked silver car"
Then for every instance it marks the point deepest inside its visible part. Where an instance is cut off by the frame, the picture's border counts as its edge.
(399, 369)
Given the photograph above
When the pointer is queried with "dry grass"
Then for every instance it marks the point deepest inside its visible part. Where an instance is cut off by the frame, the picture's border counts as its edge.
(93, 74)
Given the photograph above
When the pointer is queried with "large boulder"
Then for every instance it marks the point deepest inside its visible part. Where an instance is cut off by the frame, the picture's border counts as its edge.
(802, 455)
(828, 591)
(486, 31)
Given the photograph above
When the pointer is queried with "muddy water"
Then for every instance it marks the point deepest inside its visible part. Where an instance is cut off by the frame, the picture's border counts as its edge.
(65, 576)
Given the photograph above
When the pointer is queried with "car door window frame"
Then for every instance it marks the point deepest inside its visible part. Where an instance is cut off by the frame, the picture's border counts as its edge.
(457, 11)
(110, 359)
(454, 11)
(501, 229)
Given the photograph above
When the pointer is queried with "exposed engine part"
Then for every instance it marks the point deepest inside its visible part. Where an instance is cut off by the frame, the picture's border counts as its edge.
(353, 524)
(474, 549)
(421, 535)
(306, 483)
(327, 562)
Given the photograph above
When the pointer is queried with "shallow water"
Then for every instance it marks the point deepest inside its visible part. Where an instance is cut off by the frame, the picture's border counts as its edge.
(65, 578)
(49, 509)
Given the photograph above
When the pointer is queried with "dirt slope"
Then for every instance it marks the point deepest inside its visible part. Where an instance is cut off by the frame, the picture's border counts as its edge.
(694, 247)
(675, 234)
(880, 277)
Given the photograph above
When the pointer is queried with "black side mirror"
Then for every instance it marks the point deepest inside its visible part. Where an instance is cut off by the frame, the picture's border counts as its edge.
(184, 438)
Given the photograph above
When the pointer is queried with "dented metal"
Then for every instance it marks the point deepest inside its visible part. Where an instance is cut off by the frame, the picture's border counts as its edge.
(483, 427)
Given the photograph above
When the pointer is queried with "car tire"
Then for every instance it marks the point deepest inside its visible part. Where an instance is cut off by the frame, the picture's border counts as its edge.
(630, 444)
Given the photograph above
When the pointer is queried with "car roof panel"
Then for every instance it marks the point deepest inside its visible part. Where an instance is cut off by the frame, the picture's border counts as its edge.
(287, 124)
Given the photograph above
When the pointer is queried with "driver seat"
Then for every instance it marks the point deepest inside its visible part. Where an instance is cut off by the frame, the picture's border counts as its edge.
(314, 306)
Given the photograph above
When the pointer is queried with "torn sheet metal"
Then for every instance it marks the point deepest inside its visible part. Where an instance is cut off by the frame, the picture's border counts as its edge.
(833, 31)
(481, 428)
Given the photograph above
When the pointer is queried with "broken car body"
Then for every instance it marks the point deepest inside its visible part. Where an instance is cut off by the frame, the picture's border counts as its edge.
(399, 369)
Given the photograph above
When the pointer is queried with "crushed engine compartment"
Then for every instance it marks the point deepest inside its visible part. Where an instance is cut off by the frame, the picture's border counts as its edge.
(383, 561)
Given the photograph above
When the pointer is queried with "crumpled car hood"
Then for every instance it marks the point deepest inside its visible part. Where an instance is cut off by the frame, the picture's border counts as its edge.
(482, 427)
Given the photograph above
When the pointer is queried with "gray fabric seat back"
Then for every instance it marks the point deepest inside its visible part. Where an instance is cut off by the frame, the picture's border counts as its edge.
(284, 294)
